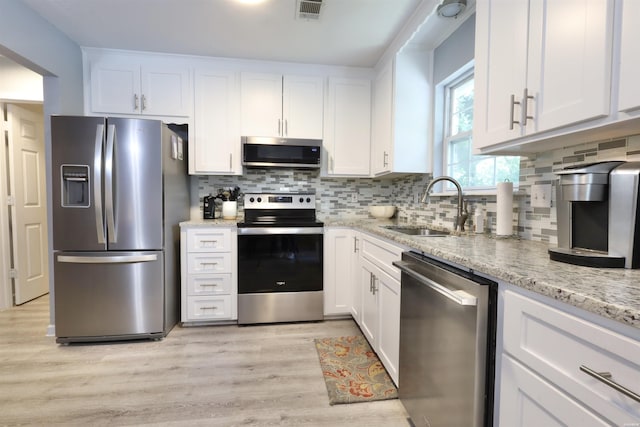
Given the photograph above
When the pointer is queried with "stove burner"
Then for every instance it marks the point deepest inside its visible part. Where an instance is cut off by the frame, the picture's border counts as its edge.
(280, 210)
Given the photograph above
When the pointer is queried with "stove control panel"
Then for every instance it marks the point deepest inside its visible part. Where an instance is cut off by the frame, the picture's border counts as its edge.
(279, 201)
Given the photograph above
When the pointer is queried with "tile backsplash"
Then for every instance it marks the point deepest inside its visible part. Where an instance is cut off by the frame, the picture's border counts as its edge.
(351, 197)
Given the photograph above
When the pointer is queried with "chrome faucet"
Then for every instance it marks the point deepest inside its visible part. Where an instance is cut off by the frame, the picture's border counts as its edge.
(462, 213)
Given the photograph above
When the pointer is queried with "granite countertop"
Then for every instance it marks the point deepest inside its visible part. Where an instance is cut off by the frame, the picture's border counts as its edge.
(613, 293)
(218, 222)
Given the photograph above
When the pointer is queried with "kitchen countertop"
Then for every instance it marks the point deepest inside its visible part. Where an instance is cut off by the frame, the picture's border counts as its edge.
(218, 222)
(613, 293)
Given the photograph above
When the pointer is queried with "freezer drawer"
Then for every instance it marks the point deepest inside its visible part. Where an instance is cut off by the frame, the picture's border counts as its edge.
(101, 296)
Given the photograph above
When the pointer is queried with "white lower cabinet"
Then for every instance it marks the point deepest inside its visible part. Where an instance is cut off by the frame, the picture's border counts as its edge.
(208, 274)
(379, 299)
(360, 279)
(545, 349)
(339, 252)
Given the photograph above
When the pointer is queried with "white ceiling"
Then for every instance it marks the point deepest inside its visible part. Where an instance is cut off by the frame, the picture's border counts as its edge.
(349, 32)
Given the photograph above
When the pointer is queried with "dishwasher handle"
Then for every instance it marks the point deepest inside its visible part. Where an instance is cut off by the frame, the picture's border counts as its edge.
(459, 297)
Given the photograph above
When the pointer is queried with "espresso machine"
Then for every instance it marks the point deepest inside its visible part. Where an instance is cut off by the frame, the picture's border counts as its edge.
(597, 210)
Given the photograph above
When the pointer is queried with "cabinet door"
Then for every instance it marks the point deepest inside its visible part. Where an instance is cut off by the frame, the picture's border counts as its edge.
(338, 253)
(500, 69)
(388, 290)
(302, 107)
(115, 86)
(369, 315)
(382, 140)
(217, 134)
(570, 51)
(347, 137)
(528, 400)
(261, 104)
(629, 93)
(166, 91)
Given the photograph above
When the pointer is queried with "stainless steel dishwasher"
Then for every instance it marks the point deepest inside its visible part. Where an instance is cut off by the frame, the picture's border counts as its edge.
(447, 343)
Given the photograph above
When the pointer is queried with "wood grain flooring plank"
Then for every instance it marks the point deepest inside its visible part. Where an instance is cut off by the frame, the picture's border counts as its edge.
(260, 375)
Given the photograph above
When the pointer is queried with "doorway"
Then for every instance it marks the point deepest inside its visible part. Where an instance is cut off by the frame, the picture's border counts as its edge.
(24, 263)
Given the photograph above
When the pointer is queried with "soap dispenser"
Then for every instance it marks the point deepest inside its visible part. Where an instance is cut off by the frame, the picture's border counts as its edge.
(478, 220)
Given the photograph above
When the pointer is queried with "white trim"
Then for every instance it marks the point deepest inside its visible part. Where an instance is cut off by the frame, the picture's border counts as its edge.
(6, 288)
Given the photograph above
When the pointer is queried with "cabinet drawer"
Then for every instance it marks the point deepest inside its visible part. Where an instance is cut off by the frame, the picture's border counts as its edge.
(208, 284)
(209, 239)
(209, 263)
(209, 308)
(527, 399)
(556, 344)
(382, 254)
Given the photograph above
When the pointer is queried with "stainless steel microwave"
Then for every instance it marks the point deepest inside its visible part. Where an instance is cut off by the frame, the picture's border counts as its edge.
(281, 152)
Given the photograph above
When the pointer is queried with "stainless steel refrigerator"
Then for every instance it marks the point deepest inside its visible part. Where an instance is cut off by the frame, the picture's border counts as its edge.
(119, 191)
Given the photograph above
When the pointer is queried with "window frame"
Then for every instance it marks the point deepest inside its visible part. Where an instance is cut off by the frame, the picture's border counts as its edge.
(443, 112)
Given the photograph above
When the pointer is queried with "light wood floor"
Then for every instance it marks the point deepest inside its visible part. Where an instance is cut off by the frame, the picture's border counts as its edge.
(207, 376)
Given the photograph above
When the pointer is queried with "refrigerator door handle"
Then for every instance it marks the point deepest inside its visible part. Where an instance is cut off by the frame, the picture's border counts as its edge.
(108, 184)
(97, 183)
(116, 259)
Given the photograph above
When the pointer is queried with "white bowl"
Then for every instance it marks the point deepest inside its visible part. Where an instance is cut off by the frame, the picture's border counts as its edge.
(382, 211)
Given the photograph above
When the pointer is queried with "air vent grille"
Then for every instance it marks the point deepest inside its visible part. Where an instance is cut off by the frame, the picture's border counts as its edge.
(309, 9)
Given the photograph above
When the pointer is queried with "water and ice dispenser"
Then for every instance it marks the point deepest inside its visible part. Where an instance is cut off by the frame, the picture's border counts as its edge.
(75, 186)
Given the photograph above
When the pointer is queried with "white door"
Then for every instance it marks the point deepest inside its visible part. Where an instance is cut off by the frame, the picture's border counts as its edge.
(302, 105)
(115, 87)
(29, 211)
(347, 136)
(217, 134)
(569, 77)
(500, 70)
(261, 104)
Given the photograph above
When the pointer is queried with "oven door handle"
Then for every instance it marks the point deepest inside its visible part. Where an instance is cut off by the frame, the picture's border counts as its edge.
(256, 231)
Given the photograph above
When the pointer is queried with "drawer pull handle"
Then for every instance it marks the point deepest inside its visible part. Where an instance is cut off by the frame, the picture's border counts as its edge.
(208, 263)
(208, 285)
(212, 307)
(605, 377)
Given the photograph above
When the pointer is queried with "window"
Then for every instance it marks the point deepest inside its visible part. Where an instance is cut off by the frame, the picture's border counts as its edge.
(473, 172)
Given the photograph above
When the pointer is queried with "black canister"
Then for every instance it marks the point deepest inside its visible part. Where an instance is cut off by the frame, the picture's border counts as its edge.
(209, 208)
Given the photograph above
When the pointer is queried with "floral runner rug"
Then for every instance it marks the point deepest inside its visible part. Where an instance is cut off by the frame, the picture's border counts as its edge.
(352, 371)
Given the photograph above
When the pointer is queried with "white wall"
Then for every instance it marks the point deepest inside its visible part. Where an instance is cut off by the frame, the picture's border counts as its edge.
(19, 83)
(31, 41)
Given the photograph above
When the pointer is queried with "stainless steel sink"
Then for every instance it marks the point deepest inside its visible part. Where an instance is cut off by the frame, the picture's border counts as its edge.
(417, 231)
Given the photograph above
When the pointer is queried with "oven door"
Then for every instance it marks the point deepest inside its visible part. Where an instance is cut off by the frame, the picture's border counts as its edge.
(279, 259)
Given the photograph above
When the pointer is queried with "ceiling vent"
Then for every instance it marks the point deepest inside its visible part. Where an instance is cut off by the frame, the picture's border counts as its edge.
(309, 9)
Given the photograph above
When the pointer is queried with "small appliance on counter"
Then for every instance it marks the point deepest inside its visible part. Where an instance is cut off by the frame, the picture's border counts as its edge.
(209, 207)
(597, 208)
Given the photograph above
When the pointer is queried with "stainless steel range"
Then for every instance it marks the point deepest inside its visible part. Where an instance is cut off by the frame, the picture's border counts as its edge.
(280, 259)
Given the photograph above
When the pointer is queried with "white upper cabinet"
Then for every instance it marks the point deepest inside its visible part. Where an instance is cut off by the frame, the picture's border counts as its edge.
(629, 93)
(347, 127)
(402, 97)
(281, 106)
(122, 84)
(382, 138)
(540, 65)
(216, 140)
